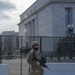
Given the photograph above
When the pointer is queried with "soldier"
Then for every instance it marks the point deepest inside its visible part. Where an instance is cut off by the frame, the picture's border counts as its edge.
(35, 67)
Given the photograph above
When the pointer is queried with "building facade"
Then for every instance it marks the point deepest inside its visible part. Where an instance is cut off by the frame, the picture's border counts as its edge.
(48, 18)
(10, 41)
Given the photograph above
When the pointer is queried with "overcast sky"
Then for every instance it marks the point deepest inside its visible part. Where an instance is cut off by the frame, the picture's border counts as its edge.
(10, 11)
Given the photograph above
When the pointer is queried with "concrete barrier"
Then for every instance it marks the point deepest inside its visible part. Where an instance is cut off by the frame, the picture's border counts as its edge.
(60, 69)
(4, 69)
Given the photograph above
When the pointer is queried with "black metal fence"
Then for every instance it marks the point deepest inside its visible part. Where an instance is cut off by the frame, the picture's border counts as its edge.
(13, 51)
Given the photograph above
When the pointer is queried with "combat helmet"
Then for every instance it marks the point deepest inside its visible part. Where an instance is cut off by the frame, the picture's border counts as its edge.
(34, 43)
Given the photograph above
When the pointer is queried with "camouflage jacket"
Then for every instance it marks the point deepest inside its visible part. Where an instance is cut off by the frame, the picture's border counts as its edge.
(32, 62)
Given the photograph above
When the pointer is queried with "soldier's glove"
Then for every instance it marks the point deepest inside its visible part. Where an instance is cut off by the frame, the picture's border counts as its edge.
(38, 63)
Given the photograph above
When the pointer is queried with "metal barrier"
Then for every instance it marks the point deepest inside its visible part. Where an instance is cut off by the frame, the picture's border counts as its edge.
(60, 69)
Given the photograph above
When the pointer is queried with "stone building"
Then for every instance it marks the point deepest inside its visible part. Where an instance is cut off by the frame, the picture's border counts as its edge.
(48, 18)
(10, 41)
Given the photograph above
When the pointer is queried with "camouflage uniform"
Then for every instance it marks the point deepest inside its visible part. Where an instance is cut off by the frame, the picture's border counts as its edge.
(34, 68)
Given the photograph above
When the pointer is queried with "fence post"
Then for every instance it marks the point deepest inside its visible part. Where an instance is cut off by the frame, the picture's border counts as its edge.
(41, 44)
(59, 51)
(51, 56)
(21, 57)
(59, 57)
(0, 49)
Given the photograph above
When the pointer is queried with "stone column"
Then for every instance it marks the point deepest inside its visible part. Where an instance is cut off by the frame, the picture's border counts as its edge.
(36, 25)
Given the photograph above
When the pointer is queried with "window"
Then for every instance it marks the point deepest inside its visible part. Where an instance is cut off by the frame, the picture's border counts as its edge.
(25, 16)
(30, 29)
(26, 30)
(68, 16)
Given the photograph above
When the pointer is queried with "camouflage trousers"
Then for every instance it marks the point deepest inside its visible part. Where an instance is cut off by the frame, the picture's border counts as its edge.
(35, 71)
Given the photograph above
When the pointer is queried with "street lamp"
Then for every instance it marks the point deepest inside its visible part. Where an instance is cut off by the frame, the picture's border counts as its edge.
(70, 34)
(70, 29)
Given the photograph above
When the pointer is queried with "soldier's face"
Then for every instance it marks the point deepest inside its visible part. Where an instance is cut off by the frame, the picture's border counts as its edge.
(36, 47)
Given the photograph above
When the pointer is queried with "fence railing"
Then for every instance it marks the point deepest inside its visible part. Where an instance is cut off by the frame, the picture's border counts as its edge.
(13, 45)
(14, 49)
